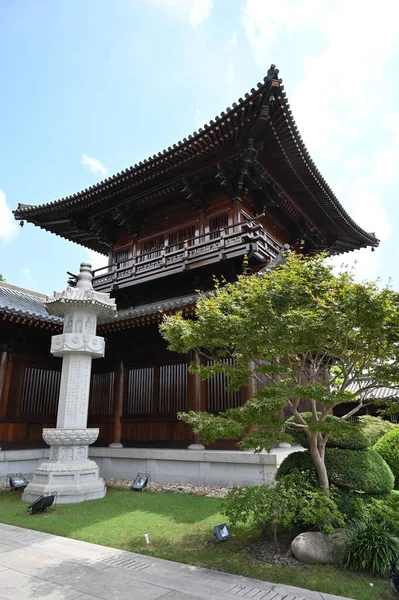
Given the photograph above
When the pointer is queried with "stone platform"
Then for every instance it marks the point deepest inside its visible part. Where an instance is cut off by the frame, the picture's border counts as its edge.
(206, 467)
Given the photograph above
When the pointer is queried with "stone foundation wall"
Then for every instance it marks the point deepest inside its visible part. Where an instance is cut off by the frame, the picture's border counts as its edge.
(21, 461)
(207, 467)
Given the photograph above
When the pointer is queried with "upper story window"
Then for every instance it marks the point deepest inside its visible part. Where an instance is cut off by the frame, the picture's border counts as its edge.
(122, 255)
(218, 223)
(177, 238)
(152, 248)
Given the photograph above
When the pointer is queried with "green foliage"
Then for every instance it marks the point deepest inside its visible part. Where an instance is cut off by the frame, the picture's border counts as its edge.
(359, 471)
(2, 278)
(375, 427)
(385, 512)
(388, 448)
(293, 500)
(351, 505)
(301, 461)
(268, 507)
(354, 470)
(304, 333)
(340, 433)
(368, 547)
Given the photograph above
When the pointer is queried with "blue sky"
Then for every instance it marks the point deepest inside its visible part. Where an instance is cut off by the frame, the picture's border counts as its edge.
(91, 87)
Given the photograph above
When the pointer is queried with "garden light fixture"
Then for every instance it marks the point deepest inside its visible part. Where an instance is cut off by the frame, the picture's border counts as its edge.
(141, 482)
(17, 481)
(221, 532)
(41, 504)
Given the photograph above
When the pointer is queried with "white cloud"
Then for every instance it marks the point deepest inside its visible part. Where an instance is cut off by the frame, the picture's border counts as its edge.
(92, 164)
(353, 163)
(339, 95)
(8, 225)
(365, 206)
(386, 164)
(348, 69)
(229, 74)
(29, 281)
(363, 264)
(264, 20)
(199, 122)
(232, 42)
(188, 11)
(96, 259)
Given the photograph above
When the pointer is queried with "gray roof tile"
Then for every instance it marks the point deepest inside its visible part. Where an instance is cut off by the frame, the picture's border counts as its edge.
(19, 301)
(15, 300)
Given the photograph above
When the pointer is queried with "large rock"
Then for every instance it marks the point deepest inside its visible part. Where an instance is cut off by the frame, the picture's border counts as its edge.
(317, 548)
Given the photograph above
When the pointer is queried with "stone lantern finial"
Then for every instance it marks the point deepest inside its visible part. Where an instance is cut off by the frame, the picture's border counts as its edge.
(85, 276)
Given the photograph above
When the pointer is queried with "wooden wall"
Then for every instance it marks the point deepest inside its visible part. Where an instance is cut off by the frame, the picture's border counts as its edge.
(28, 401)
(151, 393)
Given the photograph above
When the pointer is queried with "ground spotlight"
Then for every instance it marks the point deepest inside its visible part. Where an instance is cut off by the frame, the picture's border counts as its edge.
(17, 481)
(141, 482)
(221, 532)
(42, 504)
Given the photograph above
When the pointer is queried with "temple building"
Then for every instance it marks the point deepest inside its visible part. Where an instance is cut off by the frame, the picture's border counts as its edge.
(242, 186)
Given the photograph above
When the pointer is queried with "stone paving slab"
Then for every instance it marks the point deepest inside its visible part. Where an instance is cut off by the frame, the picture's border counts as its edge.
(37, 565)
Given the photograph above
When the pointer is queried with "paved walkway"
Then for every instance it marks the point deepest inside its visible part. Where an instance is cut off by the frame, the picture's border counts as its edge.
(37, 565)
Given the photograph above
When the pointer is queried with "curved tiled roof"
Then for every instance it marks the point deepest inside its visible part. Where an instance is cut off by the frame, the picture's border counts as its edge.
(378, 393)
(17, 303)
(21, 302)
(264, 114)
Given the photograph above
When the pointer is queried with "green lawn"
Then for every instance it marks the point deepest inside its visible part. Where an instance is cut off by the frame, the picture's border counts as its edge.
(180, 529)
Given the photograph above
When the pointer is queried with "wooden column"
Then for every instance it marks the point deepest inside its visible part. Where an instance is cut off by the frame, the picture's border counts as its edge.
(118, 405)
(3, 371)
(196, 397)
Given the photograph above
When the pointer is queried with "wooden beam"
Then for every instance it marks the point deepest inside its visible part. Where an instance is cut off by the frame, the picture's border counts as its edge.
(3, 378)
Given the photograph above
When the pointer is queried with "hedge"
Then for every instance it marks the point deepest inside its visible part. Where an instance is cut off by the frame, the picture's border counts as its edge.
(388, 448)
(361, 471)
(347, 435)
(375, 427)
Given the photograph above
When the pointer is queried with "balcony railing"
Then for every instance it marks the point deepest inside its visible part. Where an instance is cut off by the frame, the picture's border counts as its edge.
(237, 240)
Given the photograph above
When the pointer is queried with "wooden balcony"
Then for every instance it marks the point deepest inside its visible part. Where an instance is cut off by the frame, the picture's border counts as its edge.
(247, 238)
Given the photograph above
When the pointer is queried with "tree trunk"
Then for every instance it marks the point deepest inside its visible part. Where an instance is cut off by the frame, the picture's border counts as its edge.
(317, 453)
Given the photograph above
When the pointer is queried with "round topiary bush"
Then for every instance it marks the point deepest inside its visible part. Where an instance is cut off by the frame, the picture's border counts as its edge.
(361, 471)
(348, 436)
(388, 448)
(375, 427)
(296, 460)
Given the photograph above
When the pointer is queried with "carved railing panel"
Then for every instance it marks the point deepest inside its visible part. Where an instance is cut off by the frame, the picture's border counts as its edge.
(230, 241)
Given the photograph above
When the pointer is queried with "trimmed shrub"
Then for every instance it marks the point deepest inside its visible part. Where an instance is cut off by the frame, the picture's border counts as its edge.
(351, 505)
(385, 512)
(375, 427)
(361, 471)
(346, 435)
(388, 448)
(300, 461)
(368, 547)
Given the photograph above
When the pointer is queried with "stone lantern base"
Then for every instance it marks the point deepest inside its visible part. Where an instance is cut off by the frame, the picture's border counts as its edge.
(69, 471)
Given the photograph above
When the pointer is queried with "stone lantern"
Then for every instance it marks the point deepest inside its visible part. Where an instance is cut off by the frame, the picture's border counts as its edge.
(69, 472)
